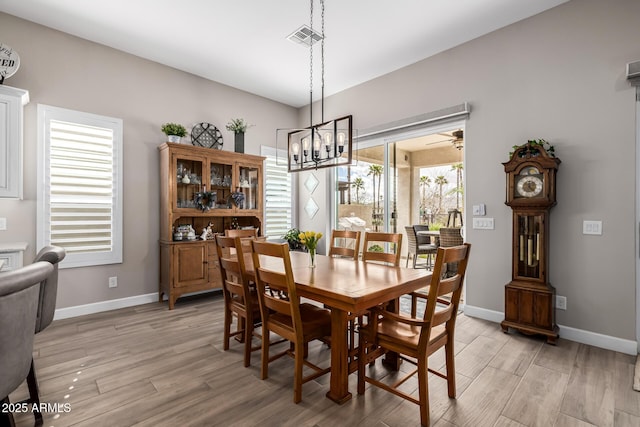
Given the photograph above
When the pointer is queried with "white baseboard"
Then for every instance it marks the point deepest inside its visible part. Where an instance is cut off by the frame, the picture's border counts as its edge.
(578, 335)
(97, 307)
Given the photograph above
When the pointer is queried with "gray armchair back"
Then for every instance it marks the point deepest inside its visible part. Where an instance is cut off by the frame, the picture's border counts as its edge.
(49, 288)
(18, 308)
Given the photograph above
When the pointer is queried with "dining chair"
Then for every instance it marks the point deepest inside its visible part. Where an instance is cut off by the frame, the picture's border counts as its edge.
(239, 298)
(415, 339)
(350, 244)
(450, 237)
(376, 244)
(296, 322)
(46, 310)
(414, 248)
(19, 293)
(239, 232)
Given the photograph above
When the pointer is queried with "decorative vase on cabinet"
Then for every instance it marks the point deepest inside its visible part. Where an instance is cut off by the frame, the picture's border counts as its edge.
(196, 191)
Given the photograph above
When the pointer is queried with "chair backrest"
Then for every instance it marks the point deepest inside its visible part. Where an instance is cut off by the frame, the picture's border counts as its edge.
(412, 241)
(232, 268)
(350, 246)
(450, 237)
(249, 232)
(19, 293)
(422, 239)
(444, 310)
(280, 280)
(49, 287)
(376, 243)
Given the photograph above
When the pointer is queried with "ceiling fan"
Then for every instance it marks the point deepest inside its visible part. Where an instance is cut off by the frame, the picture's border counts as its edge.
(456, 138)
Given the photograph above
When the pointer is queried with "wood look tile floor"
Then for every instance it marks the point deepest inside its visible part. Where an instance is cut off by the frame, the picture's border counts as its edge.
(148, 366)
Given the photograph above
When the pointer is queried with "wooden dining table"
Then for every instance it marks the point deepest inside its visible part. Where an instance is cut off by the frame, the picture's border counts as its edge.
(346, 286)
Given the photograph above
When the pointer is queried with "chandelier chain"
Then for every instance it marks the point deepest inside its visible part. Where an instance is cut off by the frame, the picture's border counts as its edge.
(311, 64)
(322, 60)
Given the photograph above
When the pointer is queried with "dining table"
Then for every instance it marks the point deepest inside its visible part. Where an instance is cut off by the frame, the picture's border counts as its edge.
(345, 286)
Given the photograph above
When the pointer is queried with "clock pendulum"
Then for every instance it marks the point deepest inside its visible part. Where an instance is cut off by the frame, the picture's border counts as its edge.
(531, 192)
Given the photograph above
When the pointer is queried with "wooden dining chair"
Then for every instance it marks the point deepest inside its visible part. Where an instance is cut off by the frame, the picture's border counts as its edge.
(377, 244)
(348, 246)
(296, 322)
(239, 298)
(238, 232)
(415, 339)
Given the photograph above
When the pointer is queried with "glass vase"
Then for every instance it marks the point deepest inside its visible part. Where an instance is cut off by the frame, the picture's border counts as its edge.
(312, 258)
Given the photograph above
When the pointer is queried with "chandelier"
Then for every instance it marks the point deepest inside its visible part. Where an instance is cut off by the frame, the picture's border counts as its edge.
(328, 143)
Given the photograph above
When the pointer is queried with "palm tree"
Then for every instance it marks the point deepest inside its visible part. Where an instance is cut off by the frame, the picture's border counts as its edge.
(425, 182)
(358, 184)
(458, 190)
(376, 171)
(440, 181)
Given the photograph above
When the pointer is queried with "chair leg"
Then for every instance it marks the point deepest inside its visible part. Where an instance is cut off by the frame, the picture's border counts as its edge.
(264, 370)
(34, 394)
(227, 329)
(297, 375)
(415, 258)
(248, 334)
(451, 368)
(423, 390)
(6, 418)
(407, 263)
(361, 365)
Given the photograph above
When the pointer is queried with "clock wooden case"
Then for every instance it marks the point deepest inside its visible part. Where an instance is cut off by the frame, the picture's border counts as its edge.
(531, 192)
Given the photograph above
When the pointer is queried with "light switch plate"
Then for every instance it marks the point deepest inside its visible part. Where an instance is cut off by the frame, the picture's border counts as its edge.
(592, 227)
(3, 223)
(479, 210)
(483, 223)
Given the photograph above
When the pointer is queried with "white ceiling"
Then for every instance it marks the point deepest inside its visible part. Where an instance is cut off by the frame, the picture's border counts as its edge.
(242, 43)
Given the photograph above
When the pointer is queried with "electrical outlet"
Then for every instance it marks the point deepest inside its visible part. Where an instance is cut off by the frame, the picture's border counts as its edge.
(3, 223)
(479, 210)
(113, 282)
(561, 302)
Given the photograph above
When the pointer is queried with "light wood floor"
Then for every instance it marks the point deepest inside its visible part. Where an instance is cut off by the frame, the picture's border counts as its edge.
(148, 366)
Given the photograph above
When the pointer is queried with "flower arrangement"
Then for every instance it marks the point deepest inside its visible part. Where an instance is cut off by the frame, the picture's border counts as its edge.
(310, 239)
(532, 148)
(238, 126)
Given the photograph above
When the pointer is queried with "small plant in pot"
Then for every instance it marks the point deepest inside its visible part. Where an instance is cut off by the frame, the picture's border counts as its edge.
(293, 238)
(238, 127)
(174, 131)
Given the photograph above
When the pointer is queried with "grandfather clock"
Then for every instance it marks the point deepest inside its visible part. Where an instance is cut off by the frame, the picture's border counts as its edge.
(529, 299)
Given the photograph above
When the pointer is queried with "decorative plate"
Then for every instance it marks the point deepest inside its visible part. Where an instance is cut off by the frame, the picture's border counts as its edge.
(206, 135)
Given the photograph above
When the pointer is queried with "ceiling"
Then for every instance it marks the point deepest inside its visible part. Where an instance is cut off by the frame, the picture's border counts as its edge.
(243, 43)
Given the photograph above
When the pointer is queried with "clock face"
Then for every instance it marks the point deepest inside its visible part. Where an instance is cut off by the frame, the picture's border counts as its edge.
(529, 185)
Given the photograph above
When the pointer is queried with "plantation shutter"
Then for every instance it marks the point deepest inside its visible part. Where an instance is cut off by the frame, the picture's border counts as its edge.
(278, 198)
(81, 195)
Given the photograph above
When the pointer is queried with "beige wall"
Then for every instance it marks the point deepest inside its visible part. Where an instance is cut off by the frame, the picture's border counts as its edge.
(560, 76)
(64, 71)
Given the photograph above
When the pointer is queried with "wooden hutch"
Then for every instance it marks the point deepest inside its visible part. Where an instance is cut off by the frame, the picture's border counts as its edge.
(201, 187)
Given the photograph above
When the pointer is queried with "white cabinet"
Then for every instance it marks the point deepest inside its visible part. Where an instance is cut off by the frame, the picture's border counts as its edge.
(12, 102)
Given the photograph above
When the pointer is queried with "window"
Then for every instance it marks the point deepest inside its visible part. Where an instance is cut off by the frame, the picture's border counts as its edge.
(80, 185)
(279, 195)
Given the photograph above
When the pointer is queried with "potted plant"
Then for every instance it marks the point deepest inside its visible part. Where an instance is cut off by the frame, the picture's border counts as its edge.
(174, 131)
(238, 127)
(293, 238)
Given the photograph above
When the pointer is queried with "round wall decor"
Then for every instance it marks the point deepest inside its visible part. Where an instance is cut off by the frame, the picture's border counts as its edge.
(9, 62)
(206, 135)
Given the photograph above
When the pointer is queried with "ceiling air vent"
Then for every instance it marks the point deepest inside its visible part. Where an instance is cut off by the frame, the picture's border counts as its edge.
(305, 36)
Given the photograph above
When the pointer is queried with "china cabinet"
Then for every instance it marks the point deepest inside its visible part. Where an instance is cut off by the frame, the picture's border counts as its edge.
(12, 102)
(202, 188)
